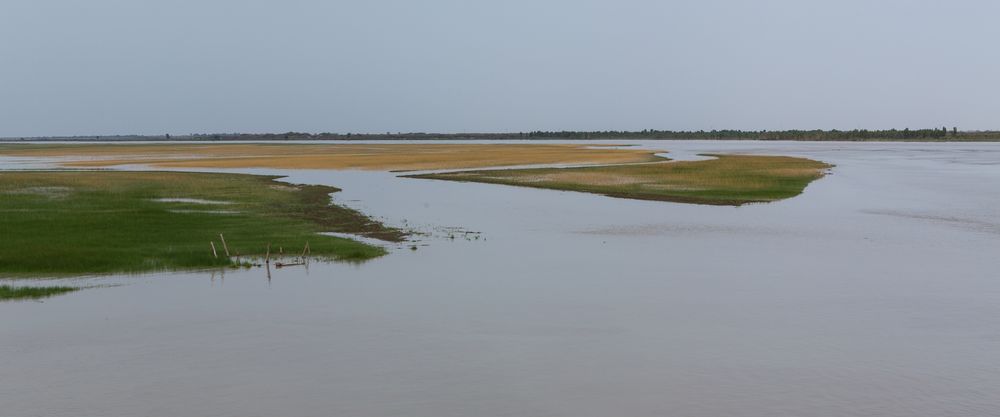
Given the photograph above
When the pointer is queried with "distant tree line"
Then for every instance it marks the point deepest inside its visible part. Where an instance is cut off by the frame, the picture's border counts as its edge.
(808, 135)
(933, 134)
(939, 134)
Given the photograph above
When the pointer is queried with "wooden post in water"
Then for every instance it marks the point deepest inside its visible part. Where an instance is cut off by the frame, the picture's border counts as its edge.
(267, 257)
(213, 249)
(224, 246)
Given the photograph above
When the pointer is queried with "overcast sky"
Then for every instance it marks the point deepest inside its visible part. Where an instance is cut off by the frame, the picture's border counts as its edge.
(100, 67)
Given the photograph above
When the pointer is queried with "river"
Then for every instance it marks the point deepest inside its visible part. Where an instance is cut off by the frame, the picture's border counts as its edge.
(874, 293)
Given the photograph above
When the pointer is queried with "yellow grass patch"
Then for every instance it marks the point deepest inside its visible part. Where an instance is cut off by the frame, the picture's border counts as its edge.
(394, 157)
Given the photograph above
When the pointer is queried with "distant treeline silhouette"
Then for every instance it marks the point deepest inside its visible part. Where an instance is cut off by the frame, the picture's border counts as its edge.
(941, 134)
(835, 135)
(805, 135)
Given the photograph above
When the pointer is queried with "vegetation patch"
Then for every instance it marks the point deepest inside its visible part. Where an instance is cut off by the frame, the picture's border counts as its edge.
(8, 292)
(92, 222)
(725, 180)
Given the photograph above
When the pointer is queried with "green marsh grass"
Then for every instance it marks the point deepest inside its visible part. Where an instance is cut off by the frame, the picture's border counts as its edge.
(8, 292)
(94, 222)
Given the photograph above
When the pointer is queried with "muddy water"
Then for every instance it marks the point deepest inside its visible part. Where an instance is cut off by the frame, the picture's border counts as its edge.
(875, 293)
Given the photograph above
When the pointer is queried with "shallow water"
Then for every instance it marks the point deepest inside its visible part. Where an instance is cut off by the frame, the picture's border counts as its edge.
(875, 293)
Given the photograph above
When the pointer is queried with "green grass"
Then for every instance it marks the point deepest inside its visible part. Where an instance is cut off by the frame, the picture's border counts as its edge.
(725, 180)
(94, 222)
(8, 292)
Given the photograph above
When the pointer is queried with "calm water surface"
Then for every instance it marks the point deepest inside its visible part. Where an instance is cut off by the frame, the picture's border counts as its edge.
(875, 293)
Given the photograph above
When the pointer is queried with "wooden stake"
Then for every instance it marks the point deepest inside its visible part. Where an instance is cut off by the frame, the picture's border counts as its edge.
(224, 244)
(267, 258)
(304, 248)
(213, 249)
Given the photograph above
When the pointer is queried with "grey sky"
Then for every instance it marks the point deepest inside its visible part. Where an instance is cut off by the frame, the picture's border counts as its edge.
(130, 66)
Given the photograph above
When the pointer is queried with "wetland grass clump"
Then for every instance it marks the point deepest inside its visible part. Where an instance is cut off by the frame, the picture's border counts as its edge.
(724, 180)
(94, 222)
(8, 292)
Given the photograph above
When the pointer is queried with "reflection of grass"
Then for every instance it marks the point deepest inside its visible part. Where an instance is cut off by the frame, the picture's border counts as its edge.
(726, 180)
(18, 293)
(381, 156)
(70, 222)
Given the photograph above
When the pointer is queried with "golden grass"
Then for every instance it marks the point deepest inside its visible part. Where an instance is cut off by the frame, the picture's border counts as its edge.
(726, 180)
(392, 157)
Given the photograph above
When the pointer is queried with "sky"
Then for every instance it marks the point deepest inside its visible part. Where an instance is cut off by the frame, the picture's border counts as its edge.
(103, 67)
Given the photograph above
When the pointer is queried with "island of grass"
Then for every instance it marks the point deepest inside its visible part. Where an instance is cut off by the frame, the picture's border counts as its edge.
(731, 180)
(95, 222)
(8, 292)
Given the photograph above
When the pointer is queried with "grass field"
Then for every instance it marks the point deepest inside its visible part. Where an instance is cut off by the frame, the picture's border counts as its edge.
(82, 222)
(726, 180)
(8, 292)
(388, 157)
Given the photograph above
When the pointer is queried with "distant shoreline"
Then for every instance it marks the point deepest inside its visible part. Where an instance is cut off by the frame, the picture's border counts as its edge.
(891, 135)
